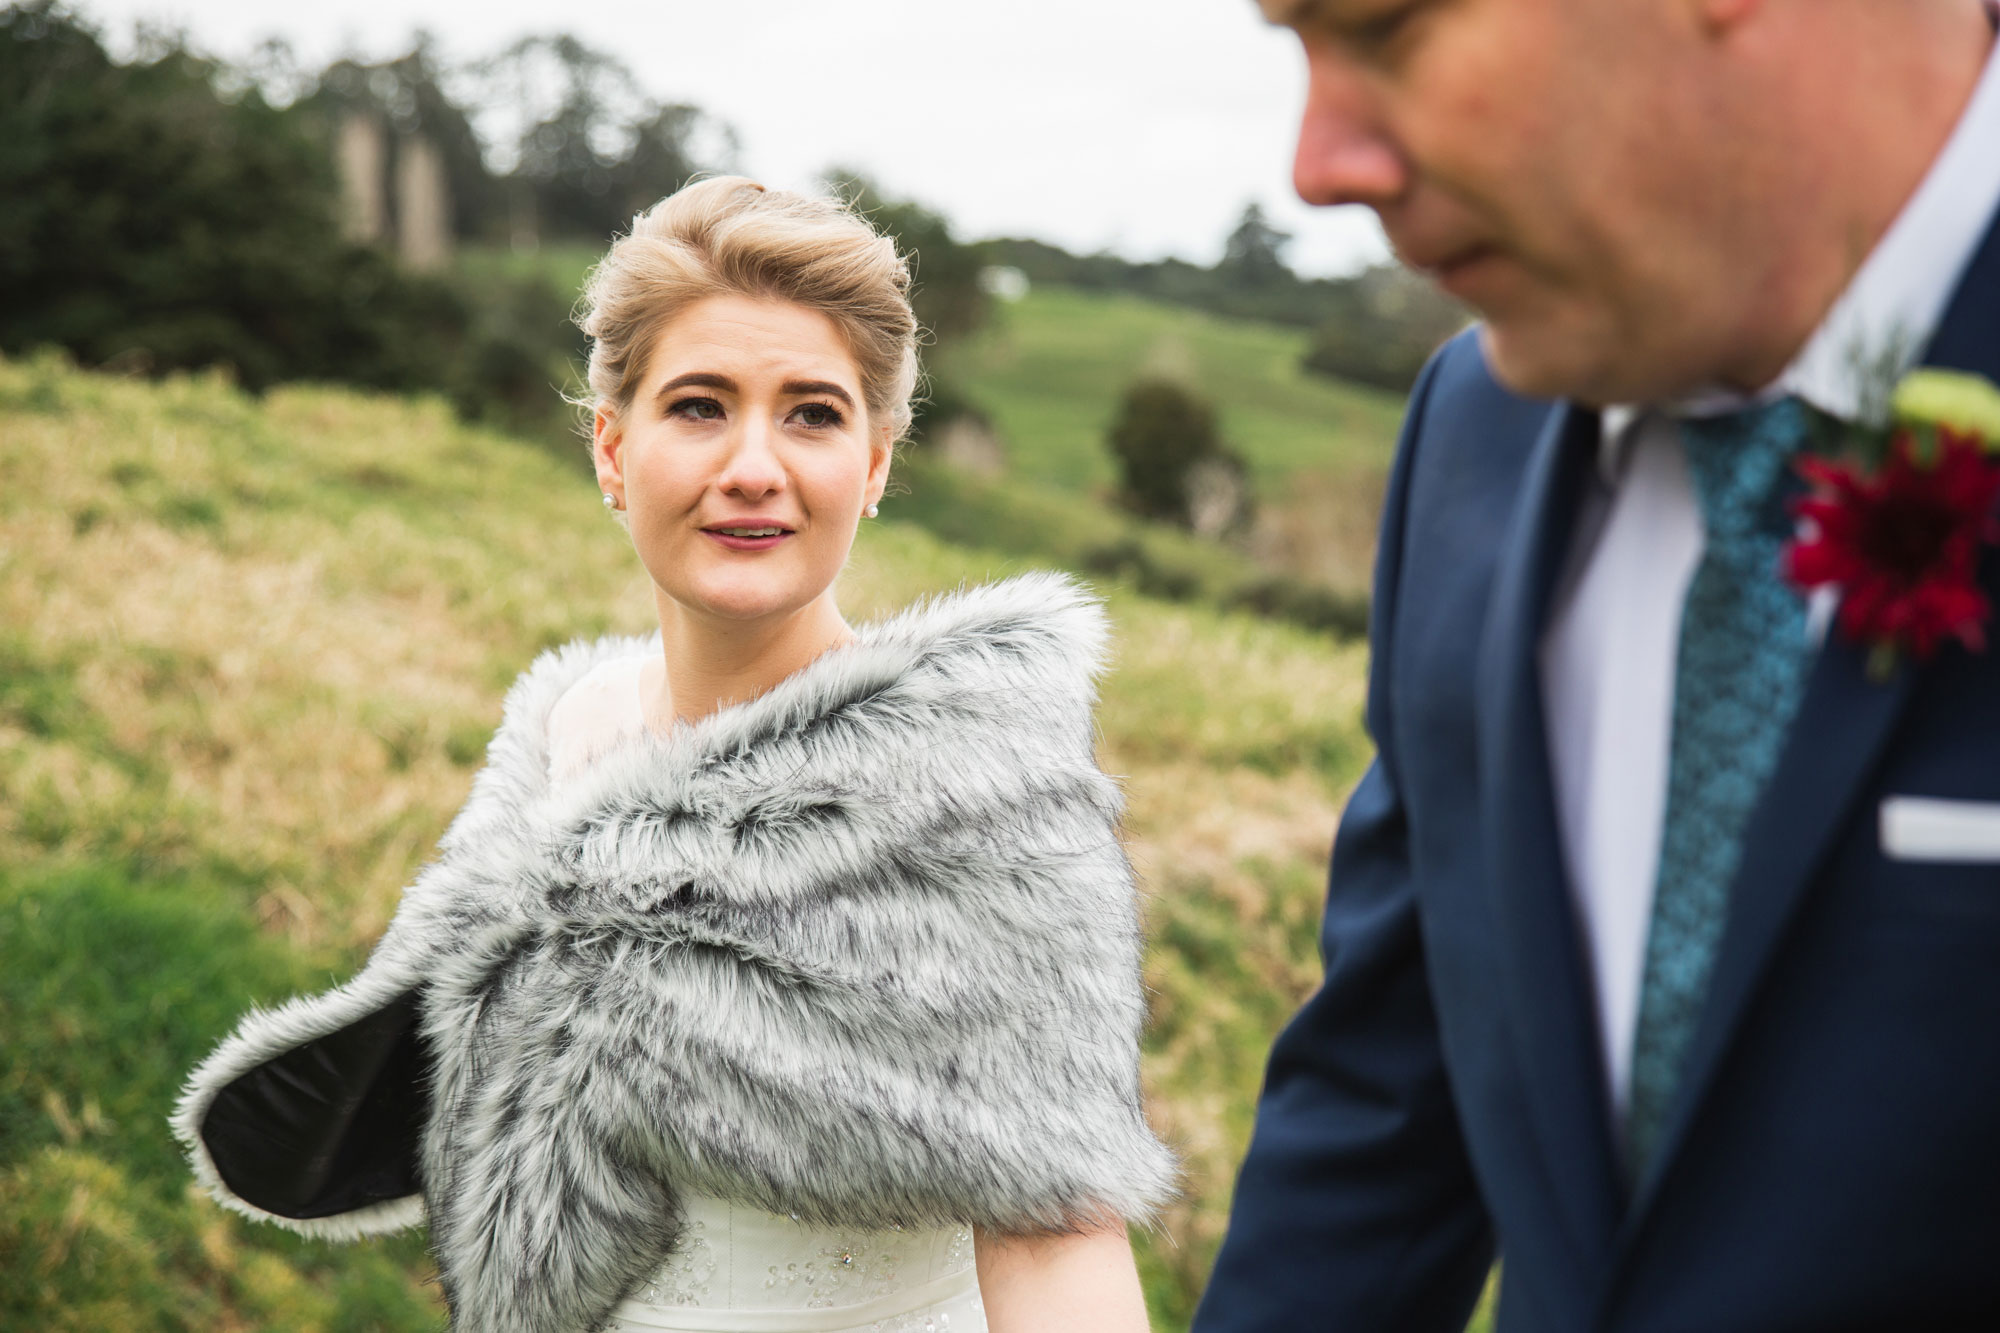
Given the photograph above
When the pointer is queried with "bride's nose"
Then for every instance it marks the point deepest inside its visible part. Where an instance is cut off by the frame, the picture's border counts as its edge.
(752, 468)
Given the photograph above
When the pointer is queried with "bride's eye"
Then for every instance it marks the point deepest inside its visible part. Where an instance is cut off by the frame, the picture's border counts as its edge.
(696, 409)
(818, 415)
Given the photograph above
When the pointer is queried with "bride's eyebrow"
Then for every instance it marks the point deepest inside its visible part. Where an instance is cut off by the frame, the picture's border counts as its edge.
(705, 379)
(827, 387)
(697, 379)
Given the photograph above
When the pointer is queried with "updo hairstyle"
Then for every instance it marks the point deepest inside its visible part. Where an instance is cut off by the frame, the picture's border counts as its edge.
(731, 236)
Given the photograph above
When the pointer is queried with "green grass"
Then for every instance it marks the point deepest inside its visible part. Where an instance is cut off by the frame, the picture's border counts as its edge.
(1050, 370)
(114, 983)
(252, 651)
(1056, 528)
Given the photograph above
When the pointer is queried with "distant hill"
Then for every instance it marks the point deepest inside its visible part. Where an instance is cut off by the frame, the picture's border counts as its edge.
(1376, 326)
(1050, 369)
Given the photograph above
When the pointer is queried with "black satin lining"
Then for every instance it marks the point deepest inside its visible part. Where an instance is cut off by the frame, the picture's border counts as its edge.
(330, 1126)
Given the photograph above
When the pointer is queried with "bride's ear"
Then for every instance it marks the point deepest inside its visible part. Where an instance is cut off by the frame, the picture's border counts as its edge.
(881, 452)
(607, 454)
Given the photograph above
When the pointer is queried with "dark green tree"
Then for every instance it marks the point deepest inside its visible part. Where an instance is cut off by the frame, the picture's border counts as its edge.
(946, 292)
(596, 149)
(949, 301)
(664, 156)
(1254, 254)
(1172, 463)
(148, 220)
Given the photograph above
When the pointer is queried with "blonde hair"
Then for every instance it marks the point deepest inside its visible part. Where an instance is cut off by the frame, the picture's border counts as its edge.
(730, 236)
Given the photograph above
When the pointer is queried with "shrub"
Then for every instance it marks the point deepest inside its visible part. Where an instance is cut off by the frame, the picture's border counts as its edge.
(1308, 604)
(942, 403)
(1172, 463)
(1129, 561)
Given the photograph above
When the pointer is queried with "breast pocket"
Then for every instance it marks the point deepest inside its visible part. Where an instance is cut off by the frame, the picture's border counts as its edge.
(1929, 828)
(1943, 856)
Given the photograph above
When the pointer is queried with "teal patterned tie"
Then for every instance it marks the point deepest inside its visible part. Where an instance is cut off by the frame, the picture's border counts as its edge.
(1736, 686)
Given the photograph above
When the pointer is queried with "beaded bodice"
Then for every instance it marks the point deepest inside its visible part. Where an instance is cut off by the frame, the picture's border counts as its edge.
(743, 1270)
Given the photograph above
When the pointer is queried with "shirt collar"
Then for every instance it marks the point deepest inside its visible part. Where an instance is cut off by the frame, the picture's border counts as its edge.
(1888, 312)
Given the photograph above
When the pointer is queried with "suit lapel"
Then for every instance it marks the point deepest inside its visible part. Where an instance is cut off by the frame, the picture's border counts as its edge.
(1844, 720)
(1548, 988)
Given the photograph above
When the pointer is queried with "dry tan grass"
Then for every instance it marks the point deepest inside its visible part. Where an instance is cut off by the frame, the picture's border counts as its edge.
(274, 636)
(1188, 823)
(1321, 526)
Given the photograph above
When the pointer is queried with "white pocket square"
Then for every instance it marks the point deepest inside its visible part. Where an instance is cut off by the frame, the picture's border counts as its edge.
(1925, 828)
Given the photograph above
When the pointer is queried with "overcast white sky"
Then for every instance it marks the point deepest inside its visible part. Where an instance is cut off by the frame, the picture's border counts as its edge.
(1142, 126)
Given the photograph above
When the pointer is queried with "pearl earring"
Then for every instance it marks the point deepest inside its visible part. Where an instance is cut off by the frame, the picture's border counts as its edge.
(609, 503)
(871, 511)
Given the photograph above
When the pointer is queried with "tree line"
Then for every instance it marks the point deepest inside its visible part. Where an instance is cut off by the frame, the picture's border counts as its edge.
(1376, 327)
(171, 211)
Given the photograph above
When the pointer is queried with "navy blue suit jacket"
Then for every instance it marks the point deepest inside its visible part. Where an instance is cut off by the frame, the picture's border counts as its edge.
(1833, 1162)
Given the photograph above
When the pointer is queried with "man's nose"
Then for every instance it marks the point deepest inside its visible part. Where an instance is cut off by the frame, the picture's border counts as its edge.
(1345, 153)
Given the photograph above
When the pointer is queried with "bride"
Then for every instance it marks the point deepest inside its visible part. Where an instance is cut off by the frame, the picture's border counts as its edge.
(777, 975)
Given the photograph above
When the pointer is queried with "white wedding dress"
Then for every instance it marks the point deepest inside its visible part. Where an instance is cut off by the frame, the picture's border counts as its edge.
(738, 1268)
(743, 1270)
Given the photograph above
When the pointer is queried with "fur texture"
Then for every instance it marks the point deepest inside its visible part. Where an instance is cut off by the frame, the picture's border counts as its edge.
(863, 949)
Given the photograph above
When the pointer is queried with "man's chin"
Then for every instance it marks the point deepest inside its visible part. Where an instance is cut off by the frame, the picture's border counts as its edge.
(1536, 343)
(1539, 362)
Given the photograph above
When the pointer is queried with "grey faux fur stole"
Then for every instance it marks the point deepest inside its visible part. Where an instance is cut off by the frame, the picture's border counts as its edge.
(863, 949)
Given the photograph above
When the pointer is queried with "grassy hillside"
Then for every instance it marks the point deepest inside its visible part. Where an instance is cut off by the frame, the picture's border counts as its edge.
(251, 655)
(1050, 369)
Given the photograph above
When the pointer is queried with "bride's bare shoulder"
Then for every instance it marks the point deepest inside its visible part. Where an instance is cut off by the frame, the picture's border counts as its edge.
(601, 706)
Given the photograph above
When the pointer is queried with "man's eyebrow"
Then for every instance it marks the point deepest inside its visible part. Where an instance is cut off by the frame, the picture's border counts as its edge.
(827, 387)
(1336, 16)
(1288, 13)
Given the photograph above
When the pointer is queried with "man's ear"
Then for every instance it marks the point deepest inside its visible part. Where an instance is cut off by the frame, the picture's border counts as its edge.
(607, 452)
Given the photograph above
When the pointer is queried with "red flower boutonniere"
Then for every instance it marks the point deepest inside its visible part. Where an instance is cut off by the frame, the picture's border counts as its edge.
(1897, 526)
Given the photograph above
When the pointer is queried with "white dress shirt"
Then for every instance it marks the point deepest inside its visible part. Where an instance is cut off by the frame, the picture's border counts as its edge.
(1608, 653)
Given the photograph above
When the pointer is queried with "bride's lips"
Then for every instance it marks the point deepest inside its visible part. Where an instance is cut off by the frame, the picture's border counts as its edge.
(735, 541)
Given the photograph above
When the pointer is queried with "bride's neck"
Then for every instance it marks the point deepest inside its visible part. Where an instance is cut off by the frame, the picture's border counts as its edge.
(710, 664)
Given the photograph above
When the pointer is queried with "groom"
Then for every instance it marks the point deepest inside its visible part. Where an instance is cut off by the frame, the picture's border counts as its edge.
(1662, 941)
